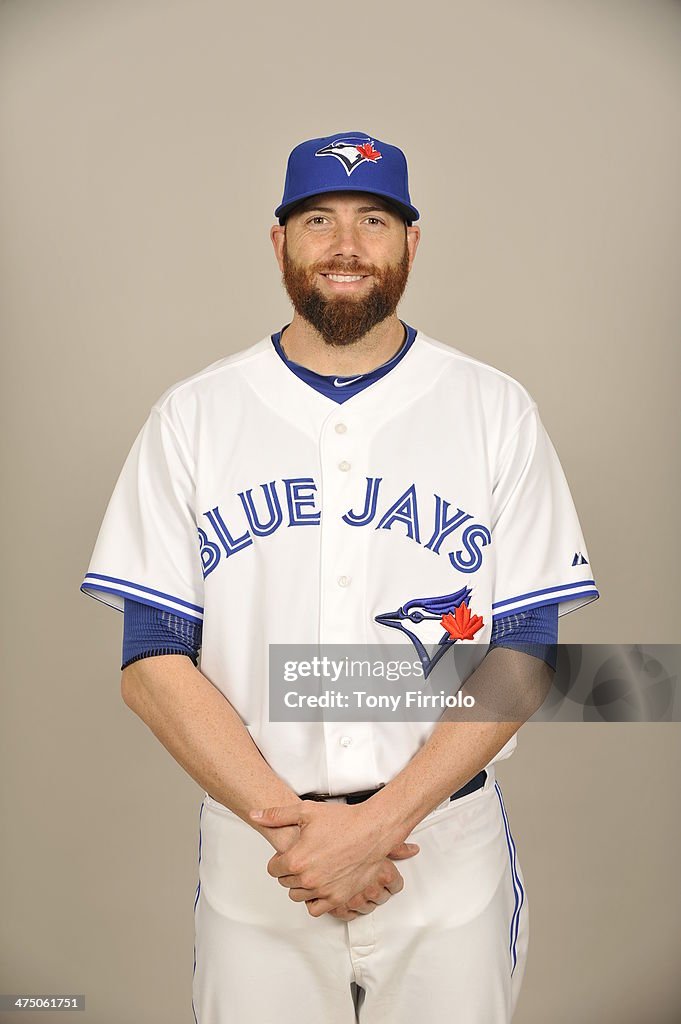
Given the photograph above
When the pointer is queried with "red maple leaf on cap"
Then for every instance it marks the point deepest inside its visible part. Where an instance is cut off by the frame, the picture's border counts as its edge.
(367, 150)
(462, 625)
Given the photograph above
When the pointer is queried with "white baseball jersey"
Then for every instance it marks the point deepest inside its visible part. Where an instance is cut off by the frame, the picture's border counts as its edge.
(275, 515)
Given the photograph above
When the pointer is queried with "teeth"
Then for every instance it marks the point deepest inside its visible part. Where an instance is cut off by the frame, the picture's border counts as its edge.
(341, 278)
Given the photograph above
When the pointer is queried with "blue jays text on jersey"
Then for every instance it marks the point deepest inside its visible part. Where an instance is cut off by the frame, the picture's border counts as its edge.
(264, 515)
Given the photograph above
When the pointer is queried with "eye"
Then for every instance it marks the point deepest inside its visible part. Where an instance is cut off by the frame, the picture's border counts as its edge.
(415, 617)
(376, 220)
(317, 218)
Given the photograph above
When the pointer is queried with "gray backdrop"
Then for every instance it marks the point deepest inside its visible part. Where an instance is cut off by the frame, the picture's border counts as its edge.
(144, 148)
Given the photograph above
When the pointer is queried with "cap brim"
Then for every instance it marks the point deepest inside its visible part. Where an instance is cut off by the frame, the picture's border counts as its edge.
(410, 213)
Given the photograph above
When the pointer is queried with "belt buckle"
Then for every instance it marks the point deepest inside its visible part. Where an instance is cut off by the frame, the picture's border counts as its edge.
(361, 795)
(351, 798)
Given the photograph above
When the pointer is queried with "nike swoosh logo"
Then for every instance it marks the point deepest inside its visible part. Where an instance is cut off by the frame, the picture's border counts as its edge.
(344, 383)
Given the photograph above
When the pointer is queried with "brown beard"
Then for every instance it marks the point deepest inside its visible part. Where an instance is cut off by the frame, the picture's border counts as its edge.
(342, 321)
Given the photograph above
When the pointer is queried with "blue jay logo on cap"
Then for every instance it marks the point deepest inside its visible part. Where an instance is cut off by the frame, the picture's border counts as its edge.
(307, 176)
(350, 153)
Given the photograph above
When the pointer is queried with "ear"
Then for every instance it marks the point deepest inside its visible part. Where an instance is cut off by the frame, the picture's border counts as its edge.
(413, 238)
(278, 236)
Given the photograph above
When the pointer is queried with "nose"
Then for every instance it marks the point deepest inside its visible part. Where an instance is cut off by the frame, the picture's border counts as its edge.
(346, 242)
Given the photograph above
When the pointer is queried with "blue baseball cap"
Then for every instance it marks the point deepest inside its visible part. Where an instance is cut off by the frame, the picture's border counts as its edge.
(347, 162)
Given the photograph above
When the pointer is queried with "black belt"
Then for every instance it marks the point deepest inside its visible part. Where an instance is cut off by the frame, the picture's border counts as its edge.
(363, 794)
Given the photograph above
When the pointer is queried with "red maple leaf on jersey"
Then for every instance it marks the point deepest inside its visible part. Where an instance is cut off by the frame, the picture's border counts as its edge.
(367, 150)
(462, 625)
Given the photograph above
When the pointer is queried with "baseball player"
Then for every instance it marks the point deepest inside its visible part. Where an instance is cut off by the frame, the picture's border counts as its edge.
(345, 480)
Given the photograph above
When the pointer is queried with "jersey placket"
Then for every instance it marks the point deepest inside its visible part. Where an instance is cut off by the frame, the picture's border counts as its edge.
(342, 444)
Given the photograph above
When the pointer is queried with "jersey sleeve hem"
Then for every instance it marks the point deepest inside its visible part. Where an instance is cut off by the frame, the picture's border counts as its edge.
(568, 596)
(112, 591)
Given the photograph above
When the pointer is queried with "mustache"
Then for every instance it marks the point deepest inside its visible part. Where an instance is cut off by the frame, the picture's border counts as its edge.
(343, 268)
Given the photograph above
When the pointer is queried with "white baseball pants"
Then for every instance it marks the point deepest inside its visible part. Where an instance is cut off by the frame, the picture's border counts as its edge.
(449, 949)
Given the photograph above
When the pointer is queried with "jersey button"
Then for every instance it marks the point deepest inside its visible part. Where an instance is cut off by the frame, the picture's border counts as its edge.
(344, 581)
(344, 466)
(345, 741)
(341, 428)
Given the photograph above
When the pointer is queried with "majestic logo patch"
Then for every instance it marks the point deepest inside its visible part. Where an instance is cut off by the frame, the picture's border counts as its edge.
(351, 153)
(451, 611)
(579, 559)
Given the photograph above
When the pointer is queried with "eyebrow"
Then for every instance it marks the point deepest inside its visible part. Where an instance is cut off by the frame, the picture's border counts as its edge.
(358, 209)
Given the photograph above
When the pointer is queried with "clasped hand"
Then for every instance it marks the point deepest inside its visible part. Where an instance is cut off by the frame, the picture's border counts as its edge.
(341, 863)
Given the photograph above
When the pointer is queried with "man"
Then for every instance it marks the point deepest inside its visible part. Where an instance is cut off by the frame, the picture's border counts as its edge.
(347, 480)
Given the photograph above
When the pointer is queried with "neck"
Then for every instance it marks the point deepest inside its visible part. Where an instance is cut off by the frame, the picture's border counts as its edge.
(304, 345)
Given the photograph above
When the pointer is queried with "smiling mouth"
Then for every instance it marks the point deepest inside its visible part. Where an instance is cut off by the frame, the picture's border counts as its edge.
(345, 278)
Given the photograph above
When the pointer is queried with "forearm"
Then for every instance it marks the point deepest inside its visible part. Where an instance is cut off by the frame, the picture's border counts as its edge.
(508, 687)
(202, 731)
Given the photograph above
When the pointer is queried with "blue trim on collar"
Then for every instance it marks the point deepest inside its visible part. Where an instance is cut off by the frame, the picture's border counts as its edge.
(349, 385)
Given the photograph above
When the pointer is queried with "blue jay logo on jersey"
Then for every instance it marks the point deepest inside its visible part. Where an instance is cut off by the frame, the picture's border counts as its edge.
(413, 613)
(351, 152)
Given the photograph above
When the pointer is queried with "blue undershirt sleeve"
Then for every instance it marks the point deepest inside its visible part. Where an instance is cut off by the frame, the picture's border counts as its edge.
(148, 631)
(534, 632)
